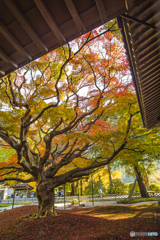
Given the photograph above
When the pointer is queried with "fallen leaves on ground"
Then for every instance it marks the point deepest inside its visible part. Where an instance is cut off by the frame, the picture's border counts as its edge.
(101, 223)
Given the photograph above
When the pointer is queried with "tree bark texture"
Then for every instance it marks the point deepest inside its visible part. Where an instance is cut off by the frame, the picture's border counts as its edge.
(142, 188)
(45, 195)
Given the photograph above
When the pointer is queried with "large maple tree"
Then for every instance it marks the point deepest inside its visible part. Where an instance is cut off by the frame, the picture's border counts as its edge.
(57, 111)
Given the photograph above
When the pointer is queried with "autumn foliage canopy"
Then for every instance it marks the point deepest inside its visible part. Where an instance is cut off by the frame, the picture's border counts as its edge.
(61, 112)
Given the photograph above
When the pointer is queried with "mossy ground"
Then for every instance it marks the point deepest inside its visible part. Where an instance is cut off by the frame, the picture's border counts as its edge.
(101, 223)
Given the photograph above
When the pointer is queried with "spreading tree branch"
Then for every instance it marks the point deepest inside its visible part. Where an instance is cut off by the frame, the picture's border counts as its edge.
(18, 180)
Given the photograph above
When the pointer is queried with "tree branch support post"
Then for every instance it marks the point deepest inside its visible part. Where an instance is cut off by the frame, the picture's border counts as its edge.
(132, 190)
(92, 191)
(78, 195)
(53, 201)
(64, 197)
(81, 187)
(14, 195)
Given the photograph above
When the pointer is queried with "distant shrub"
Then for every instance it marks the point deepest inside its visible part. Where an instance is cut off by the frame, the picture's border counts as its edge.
(118, 187)
(75, 201)
(154, 187)
(136, 189)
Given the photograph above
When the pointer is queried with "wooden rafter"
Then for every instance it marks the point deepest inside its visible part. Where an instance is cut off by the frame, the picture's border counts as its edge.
(7, 59)
(140, 21)
(101, 10)
(75, 16)
(2, 72)
(13, 41)
(27, 27)
(50, 21)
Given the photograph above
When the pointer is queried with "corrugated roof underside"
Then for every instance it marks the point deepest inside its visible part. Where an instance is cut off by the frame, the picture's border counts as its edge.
(145, 44)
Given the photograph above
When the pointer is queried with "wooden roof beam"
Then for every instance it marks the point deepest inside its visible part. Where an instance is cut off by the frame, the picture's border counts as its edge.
(140, 21)
(14, 42)
(101, 10)
(145, 10)
(2, 72)
(7, 59)
(27, 27)
(50, 21)
(75, 16)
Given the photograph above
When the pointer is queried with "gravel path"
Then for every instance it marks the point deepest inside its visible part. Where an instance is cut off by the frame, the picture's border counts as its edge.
(68, 206)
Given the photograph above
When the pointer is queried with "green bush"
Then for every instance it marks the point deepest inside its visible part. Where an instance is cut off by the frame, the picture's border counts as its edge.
(118, 187)
(136, 189)
(75, 201)
(96, 186)
(154, 187)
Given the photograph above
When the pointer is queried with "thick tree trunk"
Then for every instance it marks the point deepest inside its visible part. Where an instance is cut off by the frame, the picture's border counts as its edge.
(45, 195)
(142, 188)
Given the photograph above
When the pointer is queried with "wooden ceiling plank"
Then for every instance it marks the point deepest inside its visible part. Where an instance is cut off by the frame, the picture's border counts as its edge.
(75, 16)
(13, 41)
(145, 19)
(151, 81)
(155, 83)
(150, 71)
(149, 77)
(150, 88)
(149, 59)
(154, 102)
(101, 10)
(140, 21)
(7, 59)
(144, 69)
(145, 31)
(150, 113)
(151, 95)
(142, 40)
(146, 9)
(149, 52)
(27, 27)
(146, 48)
(50, 21)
